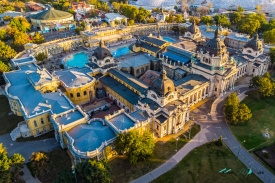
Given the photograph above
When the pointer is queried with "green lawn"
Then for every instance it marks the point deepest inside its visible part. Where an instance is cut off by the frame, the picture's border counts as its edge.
(123, 171)
(263, 117)
(59, 160)
(203, 165)
(7, 122)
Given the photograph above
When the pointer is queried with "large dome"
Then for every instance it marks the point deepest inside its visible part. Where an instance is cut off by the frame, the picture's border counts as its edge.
(156, 2)
(51, 14)
(215, 46)
(102, 52)
(163, 85)
(256, 44)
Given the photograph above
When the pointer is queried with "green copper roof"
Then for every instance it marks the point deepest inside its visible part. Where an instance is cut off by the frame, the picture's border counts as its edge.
(51, 14)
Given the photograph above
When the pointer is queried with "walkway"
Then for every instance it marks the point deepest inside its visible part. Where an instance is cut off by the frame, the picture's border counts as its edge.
(211, 128)
(201, 138)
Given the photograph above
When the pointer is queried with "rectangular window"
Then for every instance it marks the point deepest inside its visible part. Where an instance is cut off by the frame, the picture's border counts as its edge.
(85, 93)
(42, 121)
(71, 95)
(34, 123)
(157, 127)
(37, 132)
(78, 94)
(44, 129)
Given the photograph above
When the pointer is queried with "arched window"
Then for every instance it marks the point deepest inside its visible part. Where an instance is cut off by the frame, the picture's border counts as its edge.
(42, 121)
(78, 94)
(142, 70)
(85, 93)
(169, 88)
(147, 68)
(107, 61)
(71, 95)
(154, 96)
(137, 71)
(34, 123)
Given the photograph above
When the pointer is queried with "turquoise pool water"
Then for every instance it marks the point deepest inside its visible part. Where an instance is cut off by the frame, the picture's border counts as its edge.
(121, 51)
(76, 60)
(168, 39)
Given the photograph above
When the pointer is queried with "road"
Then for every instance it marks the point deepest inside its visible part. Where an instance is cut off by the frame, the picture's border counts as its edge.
(26, 148)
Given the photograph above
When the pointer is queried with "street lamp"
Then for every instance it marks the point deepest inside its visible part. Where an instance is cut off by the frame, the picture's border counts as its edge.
(239, 149)
(73, 171)
(177, 143)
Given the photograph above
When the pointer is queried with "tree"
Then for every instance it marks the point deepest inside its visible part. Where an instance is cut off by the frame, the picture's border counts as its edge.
(19, 40)
(179, 18)
(10, 166)
(135, 146)
(269, 36)
(249, 26)
(94, 171)
(38, 38)
(3, 33)
(272, 55)
(234, 111)
(20, 23)
(235, 17)
(222, 20)
(183, 30)
(203, 10)
(240, 9)
(64, 176)
(41, 57)
(3, 67)
(39, 162)
(131, 22)
(116, 6)
(197, 20)
(6, 52)
(207, 20)
(244, 113)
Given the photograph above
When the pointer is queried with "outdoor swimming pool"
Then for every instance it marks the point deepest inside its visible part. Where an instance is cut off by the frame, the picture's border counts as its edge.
(168, 39)
(121, 51)
(76, 60)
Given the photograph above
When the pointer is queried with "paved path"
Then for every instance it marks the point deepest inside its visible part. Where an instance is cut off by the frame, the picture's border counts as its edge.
(212, 126)
(201, 138)
(26, 149)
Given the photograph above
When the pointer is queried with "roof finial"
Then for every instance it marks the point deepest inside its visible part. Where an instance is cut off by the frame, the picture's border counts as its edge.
(162, 72)
(101, 43)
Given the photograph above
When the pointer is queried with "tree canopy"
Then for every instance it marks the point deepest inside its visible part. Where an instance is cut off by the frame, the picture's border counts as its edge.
(234, 111)
(272, 55)
(207, 20)
(20, 24)
(39, 162)
(264, 85)
(269, 36)
(10, 166)
(3, 67)
(235, 17)
(94, 171)
(135, 146)
(6, 52)
(38, 38)
(222, 20)
(197, 20)
(19, 40)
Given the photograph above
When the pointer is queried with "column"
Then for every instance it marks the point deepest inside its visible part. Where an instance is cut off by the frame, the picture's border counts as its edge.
(197, 99)
(187, 114)
(205, 91)
(222, 85)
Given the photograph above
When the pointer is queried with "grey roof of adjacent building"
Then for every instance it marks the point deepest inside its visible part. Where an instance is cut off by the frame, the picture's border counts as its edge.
(162, 118)
(140, 115)
(39, 77)
(153, 40)
(120, 89)
(177, 54)
(239, 59)
(74, 77)
(152, 104)
(122, 122)
(172, 105)
(69, 117)
(189, 82)
(136, 61)
(130, 80)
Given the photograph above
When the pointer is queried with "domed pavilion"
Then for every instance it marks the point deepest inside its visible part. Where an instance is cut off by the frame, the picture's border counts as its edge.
(53, 20)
